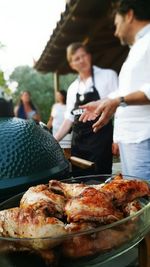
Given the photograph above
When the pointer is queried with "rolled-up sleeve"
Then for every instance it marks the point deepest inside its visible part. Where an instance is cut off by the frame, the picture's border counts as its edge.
(146, 89)
(71, 99)
(114, 94)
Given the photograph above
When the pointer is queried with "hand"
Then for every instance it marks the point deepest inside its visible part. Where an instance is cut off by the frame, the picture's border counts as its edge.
(103, 108)
(89, 111)
(107, 109)
(115, 149)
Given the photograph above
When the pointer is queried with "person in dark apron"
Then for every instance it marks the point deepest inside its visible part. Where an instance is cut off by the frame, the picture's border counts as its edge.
(86, 144)
(93, 83)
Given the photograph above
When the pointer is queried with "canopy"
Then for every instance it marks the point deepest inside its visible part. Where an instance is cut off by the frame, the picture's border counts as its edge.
(87, 21)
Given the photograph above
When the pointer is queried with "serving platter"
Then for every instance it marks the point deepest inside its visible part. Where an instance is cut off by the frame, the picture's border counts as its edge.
(90, 247)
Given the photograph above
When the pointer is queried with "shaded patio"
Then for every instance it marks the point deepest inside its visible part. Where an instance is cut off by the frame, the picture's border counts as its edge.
(89, 23)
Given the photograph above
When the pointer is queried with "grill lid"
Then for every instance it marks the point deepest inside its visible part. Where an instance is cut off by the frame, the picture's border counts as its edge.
(29, 154)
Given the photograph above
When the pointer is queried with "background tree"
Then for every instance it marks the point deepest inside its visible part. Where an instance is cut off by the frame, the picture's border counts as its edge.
(2, 79)
(4, 86)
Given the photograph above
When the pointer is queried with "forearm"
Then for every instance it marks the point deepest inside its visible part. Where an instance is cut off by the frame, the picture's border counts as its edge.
(49, 123)
(63, 130)
(16, 111)
(137, 98)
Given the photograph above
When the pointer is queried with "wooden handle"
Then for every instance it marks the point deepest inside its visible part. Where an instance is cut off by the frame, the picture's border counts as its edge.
(82, 163)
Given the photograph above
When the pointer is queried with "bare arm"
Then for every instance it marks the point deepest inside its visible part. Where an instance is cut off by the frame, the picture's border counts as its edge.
(16, 111)
(137, 98)
(36, 117)
(108, 107)
(49, 123)
(63, 130)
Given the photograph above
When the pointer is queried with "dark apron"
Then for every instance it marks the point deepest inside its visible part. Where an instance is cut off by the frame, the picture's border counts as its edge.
(86, 144)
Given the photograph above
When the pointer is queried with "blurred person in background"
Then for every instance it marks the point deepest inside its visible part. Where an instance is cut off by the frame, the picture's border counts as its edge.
(25, 108)
(6, 106)
(93, 83)
(57, 117)
(131, 101)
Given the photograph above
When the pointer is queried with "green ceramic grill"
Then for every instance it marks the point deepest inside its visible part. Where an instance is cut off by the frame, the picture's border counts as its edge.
(28, 155)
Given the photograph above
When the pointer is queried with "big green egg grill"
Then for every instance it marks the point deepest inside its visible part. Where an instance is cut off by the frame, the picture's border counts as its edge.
(29, 155)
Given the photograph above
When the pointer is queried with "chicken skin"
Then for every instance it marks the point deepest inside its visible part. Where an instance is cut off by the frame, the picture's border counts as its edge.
(124, 191)
(70, 190)
(41, 197)
(92, 205)
(30, 223)
(37, 229)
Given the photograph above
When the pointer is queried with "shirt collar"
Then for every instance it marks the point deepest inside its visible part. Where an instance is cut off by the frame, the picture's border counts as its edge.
(142, 32)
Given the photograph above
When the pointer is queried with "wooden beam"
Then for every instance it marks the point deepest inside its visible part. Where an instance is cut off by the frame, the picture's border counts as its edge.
(56, 83)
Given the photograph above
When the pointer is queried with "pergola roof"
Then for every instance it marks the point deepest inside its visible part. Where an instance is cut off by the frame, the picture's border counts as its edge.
(87, 21)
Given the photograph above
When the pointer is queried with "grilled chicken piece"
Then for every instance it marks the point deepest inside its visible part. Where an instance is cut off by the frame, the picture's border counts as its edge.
(9, 222)
(131, 208)
(92, 205)
(124, 191)
(70, 190)
(96, 242)
(30, 223)
(88, 244)
(41, 197)
(78, 246)
(80, 226)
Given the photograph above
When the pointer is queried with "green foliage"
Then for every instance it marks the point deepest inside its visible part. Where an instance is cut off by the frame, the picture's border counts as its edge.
(41, 87)
(2, 80)
(66, 80)
(4, 86)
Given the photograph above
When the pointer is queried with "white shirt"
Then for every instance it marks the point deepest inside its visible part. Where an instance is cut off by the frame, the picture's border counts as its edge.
(132, 123)
(31, 114)
(58, 111)
(106, 81)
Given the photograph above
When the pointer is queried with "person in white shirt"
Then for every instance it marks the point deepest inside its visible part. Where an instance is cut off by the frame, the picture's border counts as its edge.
(93, 83)
(57, 117)
(131, 101)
